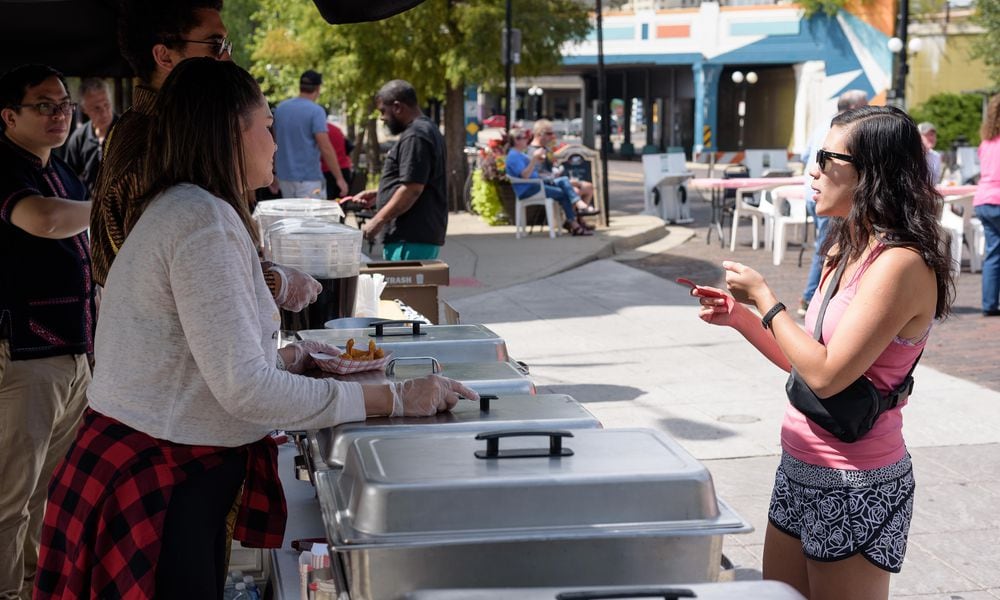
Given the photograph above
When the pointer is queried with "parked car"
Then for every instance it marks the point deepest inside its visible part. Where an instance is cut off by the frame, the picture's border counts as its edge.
(495, 121)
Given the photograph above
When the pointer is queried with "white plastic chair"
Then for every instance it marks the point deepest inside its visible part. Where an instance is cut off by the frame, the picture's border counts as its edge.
(966, 231)
(796, 217)
(976, 237)
(762, 214)
(536, 199)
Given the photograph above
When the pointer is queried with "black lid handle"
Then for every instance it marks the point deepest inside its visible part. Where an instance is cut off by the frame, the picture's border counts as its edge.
(493, 444)
(380, 328)
(484, 401)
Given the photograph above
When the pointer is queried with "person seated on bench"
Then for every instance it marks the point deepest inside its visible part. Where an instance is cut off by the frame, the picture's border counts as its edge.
(560, 189)
(545, 137)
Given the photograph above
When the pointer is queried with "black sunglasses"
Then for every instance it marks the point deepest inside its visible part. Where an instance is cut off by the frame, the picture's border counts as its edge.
(220, 47)
(822, 156)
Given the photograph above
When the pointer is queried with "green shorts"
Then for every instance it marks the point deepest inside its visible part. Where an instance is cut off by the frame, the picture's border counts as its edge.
(410, 251)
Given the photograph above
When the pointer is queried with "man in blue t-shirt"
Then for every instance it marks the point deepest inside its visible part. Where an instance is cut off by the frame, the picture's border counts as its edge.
(300, 130)
(46, 309)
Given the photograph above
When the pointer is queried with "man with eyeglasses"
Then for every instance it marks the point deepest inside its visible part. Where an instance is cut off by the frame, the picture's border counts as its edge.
(154, 38)
(46, 309)
(84, 148)
(847, 100)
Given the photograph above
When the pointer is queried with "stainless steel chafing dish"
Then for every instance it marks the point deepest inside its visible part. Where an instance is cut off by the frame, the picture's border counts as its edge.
(329, 446)
(735, 590)
(447, 343)
(589, 507)
(497, 378)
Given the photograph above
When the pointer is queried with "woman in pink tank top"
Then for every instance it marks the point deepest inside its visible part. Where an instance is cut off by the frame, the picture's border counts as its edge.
(840, 512)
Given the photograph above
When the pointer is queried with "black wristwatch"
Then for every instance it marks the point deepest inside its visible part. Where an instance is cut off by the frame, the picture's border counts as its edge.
(769, 315)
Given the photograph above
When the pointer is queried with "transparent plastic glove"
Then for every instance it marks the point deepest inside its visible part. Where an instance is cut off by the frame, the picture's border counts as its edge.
(296, 359)
(427, 396)
(298, 290)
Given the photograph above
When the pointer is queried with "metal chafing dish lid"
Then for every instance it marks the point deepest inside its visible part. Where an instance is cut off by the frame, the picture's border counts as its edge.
(484, 377)
(519, 411)
(432, 489)
(733, 590)
(449, 343)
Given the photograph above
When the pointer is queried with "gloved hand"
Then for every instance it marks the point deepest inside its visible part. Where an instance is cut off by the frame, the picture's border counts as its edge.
(297, 290)
(296, 359)
(427, 396)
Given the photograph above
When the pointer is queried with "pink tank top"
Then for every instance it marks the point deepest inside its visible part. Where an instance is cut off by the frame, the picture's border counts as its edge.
(884, 444)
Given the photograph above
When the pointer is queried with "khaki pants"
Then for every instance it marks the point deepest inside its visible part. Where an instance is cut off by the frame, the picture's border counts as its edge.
(41, 402)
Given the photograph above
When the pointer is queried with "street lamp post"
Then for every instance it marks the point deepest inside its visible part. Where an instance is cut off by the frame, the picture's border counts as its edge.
(895, 44)
(743, 82)
(536, 94)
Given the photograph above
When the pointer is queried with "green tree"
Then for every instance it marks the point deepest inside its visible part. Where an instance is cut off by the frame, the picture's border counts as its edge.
(440, 46)
(987, 46)
(238, 17)
(953, 115)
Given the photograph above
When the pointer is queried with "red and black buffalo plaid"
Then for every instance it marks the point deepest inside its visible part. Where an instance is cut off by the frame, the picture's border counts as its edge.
(108, 500)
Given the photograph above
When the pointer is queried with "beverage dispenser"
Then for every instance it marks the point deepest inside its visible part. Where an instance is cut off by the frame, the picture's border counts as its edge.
(331, 253)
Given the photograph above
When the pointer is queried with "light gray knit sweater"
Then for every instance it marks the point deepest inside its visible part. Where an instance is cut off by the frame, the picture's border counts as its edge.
(187, 336)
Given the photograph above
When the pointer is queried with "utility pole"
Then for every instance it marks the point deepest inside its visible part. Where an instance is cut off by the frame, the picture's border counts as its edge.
(508, 64)
(602, 100)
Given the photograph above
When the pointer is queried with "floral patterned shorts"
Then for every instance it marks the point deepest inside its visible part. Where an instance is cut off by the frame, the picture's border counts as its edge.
(838, 513)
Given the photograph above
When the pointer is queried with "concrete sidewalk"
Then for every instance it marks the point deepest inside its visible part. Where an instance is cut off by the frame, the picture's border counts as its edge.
(629, 345)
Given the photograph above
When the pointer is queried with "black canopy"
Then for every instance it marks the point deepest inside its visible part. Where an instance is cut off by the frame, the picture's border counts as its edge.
(75, 36)
(79, 38)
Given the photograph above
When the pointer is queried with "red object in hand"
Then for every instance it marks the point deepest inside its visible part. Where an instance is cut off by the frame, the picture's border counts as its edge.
(704, 291)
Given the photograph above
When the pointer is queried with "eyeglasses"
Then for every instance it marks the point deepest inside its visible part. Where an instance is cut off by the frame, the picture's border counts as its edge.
(822, 156)
(548, 133)
(47, 109)
(219, 46)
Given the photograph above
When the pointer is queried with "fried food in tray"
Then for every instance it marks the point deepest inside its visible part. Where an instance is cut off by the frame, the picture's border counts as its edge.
(352, 359)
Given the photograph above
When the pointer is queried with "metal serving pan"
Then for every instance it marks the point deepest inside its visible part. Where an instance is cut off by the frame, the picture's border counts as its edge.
(496, 378)
(447, 343)
(735, 590)
(588, 507)
(329, 446)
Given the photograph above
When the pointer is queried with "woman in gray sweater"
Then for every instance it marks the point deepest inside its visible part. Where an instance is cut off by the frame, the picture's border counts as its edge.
(189, 380)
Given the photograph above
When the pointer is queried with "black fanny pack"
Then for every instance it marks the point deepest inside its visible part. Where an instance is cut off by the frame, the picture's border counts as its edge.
(851, 413)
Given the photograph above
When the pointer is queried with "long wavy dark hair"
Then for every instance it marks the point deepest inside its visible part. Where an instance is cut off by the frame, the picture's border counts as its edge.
(200, 114)
(895, 201)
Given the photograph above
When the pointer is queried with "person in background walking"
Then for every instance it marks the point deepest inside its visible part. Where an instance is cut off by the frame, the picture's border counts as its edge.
(412, 195)
(301, 133)
(85, 147)
(840, 511)
(342, 147)
(987, 204)
(847, 100)
(46, 309)
(928, 135)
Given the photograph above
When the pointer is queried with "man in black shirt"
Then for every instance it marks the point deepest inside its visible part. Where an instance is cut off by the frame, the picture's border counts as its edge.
(411, 200)
(84, 148)
(46, 309)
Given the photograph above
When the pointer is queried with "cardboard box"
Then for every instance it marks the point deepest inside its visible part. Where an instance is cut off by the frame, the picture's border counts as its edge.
(414, 282)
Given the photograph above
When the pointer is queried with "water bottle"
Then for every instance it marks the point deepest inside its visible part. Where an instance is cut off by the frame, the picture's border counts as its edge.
(229, 590)
(251, 587)
(241, 592)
